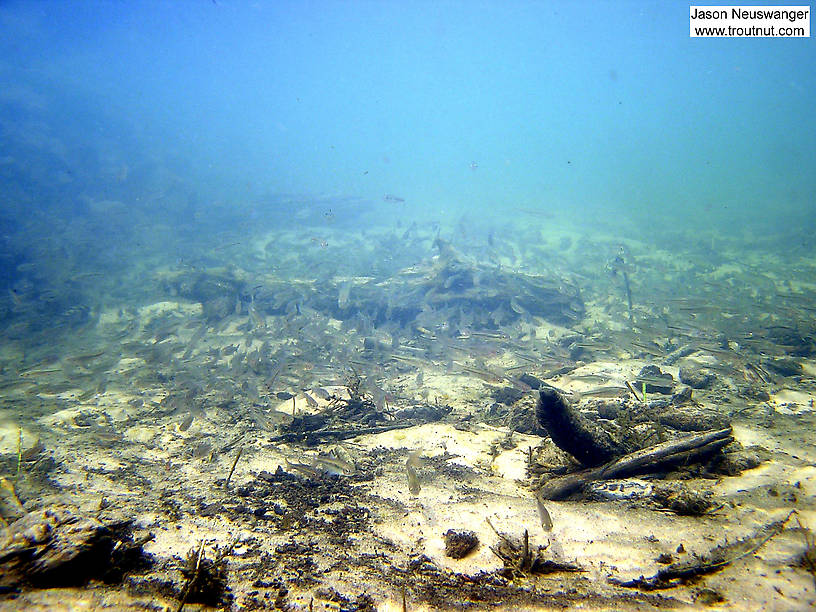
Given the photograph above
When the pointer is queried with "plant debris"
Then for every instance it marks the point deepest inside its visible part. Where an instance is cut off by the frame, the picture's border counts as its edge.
(718, 558)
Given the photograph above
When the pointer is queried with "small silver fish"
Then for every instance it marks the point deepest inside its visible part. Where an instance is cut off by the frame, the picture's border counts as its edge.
(343, 295)
(321, 393)
(413, 480)
(333, 465)
(516, 307)
(543, 514)
(305, 470)
(185, 424)
(414, 461)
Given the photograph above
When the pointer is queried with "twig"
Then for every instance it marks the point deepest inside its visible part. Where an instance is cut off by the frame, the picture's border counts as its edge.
(632, 390)
(191, 581)
(19, 454)
(232, 469)
(310, 437)
(717, 559)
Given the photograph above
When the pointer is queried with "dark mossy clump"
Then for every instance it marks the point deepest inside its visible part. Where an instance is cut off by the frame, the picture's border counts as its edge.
(521, 416)
(291, 502)
(507, 395)
(682, 500)
(342, 417)
(58, 546)
(425, 582)
(696, 378)
(205, 579)
(459, 544)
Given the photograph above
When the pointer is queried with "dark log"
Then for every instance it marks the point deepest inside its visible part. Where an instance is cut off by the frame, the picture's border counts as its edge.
(587, 442)
(58, 546)
(687, 450)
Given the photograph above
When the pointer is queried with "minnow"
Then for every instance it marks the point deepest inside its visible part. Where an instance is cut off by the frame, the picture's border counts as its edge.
(596, 378)
(413, 480)
(303, 469)
(543, 514)
(490, 335)
(82, 359)
(40, 372)
(516, 307)
(485, 375)
(610, 391)
(652, 350)
(185, 424)
(321, 393)
(333, 465)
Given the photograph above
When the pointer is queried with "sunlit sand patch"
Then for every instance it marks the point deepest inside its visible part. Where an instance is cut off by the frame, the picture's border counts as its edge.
(789, 401)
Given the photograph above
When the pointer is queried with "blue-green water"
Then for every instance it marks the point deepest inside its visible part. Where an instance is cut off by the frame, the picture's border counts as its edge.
(594, 110)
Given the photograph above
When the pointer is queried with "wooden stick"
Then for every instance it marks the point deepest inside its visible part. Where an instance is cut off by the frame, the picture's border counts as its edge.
(689, 449)
(234, 463)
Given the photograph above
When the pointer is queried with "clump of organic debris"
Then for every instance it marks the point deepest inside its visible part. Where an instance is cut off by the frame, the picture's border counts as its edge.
(205, 579)
(459, 544)
(60, 546)
(520, 557)
(682, 500)
(807, 559)
(716, 559)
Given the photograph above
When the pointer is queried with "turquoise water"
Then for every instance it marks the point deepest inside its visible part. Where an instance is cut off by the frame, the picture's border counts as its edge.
(605, 111)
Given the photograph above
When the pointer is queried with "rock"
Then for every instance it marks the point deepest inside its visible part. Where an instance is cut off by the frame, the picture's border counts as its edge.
(459, 544)
(692, 419)
(754, 392)
(737, 459)
(217, 308)
(681, 395)
(696, 378)
(58, 546)
(681, 500)
(708, 597)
